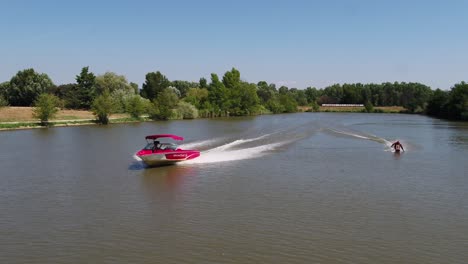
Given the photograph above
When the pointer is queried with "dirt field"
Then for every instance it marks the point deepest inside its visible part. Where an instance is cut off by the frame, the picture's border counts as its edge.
(23, 114)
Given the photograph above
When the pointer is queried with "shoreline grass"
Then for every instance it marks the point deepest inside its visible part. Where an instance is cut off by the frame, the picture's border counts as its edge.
(12, 118)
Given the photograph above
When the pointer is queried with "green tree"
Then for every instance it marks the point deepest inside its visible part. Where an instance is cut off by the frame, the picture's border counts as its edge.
(186, 110)
(283, 90)
(164, 104)
(103, 106)
(369, 107)
(154, 84)
(437, 105)
(231, 79)
(288, 102)
(3, 101)
(112, 82)
(315, 106)
(137, 106)
(299, 96)
(4, 89)
(26, 86)
(197, 97)
(184, 86)
(414, 96)
(274, 105)
(241, 97)
(86, 88)
(135, 87)
(457, 105)
(217, 96)
(203, 83)
(45, 107)
(121, 98)
(70, 94)
(312, 94)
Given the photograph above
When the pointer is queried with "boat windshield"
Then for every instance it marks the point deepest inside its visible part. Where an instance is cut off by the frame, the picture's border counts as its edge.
(149, 146)
(170, 146)
(162, 146)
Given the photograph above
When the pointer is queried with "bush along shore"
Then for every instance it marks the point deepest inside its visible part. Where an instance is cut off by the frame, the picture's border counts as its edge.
(24, 117)
(110, 94)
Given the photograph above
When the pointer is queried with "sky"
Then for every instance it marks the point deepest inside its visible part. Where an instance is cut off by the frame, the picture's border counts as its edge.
(294, 43)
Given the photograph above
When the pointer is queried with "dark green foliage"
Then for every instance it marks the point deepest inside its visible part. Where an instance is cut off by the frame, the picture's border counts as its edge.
(103, 106)
(136, 106)
(288, 102)
(203, 83)
(275, 106)
(184, 86)
(135, 87)
(71, 96)
(299, 96)
(4, 89)
(369, 107)
(315, 106)
(437, 105)
(26, 86)
(312, 94)
(218, 96)
(3, 101)
(197, 97)
(45, 107)
(85, 91)
(265, 92)
(240, 97)
(154, 84)
(162, 107)
(451, 104)
(457, 107)
(283, 90)
(243, 99)
(185, 110)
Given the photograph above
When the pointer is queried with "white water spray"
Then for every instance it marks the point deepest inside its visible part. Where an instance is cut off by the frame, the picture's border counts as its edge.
(222, 154)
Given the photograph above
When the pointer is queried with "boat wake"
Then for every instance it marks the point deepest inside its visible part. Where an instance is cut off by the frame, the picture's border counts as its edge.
(365, 136)
(239, 149)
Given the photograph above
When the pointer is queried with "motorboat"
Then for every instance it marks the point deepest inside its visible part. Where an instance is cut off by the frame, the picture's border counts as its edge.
(156, 153)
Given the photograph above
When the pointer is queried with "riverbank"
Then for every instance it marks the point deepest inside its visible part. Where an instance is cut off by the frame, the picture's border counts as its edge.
(354, 109)
(22, 117)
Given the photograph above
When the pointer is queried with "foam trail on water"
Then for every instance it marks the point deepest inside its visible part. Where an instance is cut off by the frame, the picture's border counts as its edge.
(236, 142)
(387, 143)
(362, 136)
(349, 134)
(197, 144)
(222, 155)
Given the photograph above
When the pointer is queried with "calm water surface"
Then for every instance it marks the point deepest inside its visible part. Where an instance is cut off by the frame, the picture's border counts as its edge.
(299, 188)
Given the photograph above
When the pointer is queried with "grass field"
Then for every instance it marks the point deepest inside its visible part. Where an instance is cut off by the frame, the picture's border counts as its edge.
(25, 114)
(22, 117)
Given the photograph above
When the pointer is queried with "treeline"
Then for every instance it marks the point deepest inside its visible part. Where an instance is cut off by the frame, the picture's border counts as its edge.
(162, 99)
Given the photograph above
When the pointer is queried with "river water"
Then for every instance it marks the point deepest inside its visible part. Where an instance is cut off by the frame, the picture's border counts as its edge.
(296, 188)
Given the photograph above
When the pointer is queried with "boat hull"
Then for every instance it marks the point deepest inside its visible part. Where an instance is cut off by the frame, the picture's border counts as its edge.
(167, 157)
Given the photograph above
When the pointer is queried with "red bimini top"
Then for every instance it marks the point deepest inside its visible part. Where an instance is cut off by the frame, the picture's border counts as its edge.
(164, 136)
